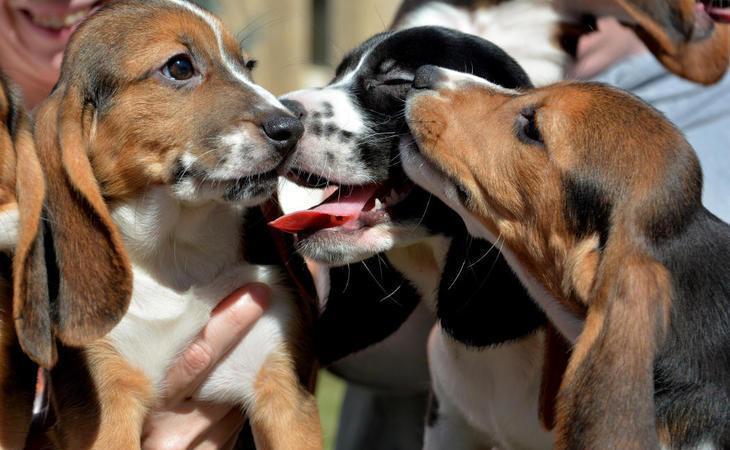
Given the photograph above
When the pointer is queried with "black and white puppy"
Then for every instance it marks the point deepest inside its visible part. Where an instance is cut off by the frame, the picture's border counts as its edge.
(408, 246)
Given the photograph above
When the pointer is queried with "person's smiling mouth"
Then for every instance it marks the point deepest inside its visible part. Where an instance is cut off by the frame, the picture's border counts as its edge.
(57, 21)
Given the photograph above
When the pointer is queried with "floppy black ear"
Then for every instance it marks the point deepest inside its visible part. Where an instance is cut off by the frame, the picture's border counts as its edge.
(73, 279)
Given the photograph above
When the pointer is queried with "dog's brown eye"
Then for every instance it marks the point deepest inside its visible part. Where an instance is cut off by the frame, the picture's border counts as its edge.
(179, 68)
(527, 129)
(251, 64)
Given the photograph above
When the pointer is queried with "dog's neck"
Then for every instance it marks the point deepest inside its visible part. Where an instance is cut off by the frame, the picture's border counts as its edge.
(180, 244)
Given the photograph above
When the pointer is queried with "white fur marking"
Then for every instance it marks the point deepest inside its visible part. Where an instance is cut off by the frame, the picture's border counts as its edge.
(215, 25)
(186, 258)
(454, 80)
(487, 396)
(9, 223)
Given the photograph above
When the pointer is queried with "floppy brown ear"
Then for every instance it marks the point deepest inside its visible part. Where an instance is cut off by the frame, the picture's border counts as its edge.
(697, 52)
(17, 372)
(607, 395)
(73, 280)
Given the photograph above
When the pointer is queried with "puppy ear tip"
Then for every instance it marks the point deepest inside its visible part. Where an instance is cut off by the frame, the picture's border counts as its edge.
(44, 354)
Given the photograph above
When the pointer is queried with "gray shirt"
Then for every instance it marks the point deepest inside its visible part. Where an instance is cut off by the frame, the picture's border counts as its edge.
(702, 112)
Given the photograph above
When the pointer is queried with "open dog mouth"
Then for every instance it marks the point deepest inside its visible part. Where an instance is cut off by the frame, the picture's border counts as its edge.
(718, 10)
(348, 209)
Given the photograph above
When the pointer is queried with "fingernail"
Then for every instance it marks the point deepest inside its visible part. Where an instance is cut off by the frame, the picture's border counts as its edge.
(258, 293)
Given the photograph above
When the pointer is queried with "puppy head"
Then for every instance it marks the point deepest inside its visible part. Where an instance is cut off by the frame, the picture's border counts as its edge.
(581, 182)
(352, 130)
(151, 93)
(548, 168)
(167, 98)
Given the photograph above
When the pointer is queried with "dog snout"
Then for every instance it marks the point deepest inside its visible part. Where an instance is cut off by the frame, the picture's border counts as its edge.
(427, 77)
(295, 107)
(283, 130)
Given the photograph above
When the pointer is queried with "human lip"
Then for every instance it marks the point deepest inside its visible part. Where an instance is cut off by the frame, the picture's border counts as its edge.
(56, 20)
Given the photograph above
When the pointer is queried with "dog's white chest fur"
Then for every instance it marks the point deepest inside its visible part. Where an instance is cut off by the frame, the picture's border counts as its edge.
(186, 259)
(486, 397)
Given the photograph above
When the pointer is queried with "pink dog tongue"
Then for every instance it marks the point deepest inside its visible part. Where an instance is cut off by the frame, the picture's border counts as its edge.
(337, 209)
(719, 11)
(721, 15)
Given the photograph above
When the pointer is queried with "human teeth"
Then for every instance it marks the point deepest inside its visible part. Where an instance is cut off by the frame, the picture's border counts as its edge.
(60, 22)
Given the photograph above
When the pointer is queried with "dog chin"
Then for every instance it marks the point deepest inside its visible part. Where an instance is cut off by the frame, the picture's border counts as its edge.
(426, 175)
(245, 192)
(346, 245)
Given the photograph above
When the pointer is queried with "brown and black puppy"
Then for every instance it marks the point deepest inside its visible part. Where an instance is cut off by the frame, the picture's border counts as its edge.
(155, 144)
(596, 199)
(543, 34)
(21, 183)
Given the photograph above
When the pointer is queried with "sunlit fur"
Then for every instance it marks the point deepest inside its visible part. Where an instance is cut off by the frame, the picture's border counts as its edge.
(149, 180)
(605, 218)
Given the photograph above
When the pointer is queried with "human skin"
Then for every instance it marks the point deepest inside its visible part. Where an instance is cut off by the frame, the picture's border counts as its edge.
(184, 424)
(33, 35)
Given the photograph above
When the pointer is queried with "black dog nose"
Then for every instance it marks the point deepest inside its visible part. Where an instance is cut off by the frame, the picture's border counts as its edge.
(427, 77)
(296, 108)
(284, 130)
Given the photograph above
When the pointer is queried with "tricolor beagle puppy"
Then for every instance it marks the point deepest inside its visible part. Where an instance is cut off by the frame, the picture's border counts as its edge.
(21, 183)
(594, 199)
(680, 33)
(155, 142)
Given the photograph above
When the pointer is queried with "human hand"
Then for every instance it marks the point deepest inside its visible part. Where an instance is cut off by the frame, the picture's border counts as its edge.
(181, 423)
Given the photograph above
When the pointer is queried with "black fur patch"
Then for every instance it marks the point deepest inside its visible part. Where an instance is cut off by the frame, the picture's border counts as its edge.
(480, 301)
(587, 208)
(368, 302)
(692, 369)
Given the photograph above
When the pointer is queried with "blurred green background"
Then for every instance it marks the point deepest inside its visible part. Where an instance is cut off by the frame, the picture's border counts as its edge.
(330, 391)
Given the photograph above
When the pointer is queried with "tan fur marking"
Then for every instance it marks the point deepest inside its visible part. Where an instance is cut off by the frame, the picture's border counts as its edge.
(581, 268)
(285, 416)
(110, 417)
(517, 189)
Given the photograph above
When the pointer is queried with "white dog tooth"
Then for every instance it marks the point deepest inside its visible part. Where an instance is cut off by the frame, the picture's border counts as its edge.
(378, 204)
